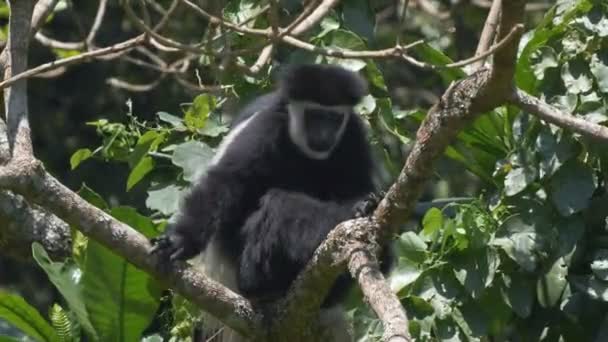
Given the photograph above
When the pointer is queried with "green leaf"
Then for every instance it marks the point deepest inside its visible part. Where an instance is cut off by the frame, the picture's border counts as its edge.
(147, 142)
(518, 180)
(551, 285)
(153, 338)
(375, 76)
(145, 165)
(555, 23)
(472, 320)
(521, 243)
(553, 153)
(80, 156)
(16, 311)
(518, 293)
(121, 299)
(594, 288)
(576, 76)
(411, 246)
(131, 217)
(173, 120)
(347, 63)
(543, 59)
(599, 69)
(342, 39)
(433, 56)
(595, 21)
(432, 222)
(9, 339)
(92, 197)
(66, 329)
(66, 279)
(366, 106)
(196, 116)
(599, 265)
(166, 200)
(475, 271)
(328, 24)
(213, 129)
(572, 187)
(403, 274)
(447, 331)
(570, 232)
(387, 119)
(193, 157)
(359, 18)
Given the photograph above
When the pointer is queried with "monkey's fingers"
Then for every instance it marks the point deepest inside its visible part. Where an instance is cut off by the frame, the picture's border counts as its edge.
(179, 254)
(159, 244)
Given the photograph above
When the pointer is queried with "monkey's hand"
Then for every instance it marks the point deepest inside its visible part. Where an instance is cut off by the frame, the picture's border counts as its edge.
(173, 245)
(366, 206)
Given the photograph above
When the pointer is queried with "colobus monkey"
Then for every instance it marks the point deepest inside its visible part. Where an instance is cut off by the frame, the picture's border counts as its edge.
(296, 163)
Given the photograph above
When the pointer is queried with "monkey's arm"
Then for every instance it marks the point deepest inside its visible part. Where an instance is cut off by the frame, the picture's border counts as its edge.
(220, 197)
(210, 205)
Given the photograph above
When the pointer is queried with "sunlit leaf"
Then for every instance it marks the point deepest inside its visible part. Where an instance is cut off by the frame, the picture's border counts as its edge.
(166, 200)
(80, 156)
(551, 285)
(193, 157)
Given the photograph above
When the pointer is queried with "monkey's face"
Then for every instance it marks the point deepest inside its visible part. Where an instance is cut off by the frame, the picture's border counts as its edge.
(317, 129)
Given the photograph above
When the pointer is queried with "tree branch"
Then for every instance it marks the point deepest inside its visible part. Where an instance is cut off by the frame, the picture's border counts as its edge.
(15, 97)
(364, 267)
(545, 111)
(25, 175)
(21, 224)
(115, 50)
(462, 102)
(488, 33)
(29, 178)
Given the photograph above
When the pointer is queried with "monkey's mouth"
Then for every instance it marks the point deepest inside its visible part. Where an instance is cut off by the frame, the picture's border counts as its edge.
(319, 145)
(323, 129)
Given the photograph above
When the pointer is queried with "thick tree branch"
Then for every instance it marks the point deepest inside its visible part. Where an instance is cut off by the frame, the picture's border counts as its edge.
(364, 267)
(21, 224)
(462, 102)
(545, 111)
(29, 178)
(26, 176)
(15, 97)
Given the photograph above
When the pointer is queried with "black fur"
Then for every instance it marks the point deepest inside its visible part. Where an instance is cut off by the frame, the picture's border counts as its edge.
(266, 203)
(324, 84)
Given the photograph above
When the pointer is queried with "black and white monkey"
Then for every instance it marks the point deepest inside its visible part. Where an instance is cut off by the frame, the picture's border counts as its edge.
(295, 164)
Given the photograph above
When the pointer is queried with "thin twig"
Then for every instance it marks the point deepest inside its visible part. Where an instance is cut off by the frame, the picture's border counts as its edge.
(57, 44)
(133, 87)
(515, 32)
(488, 33)
(114, 49)
(101, 11)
